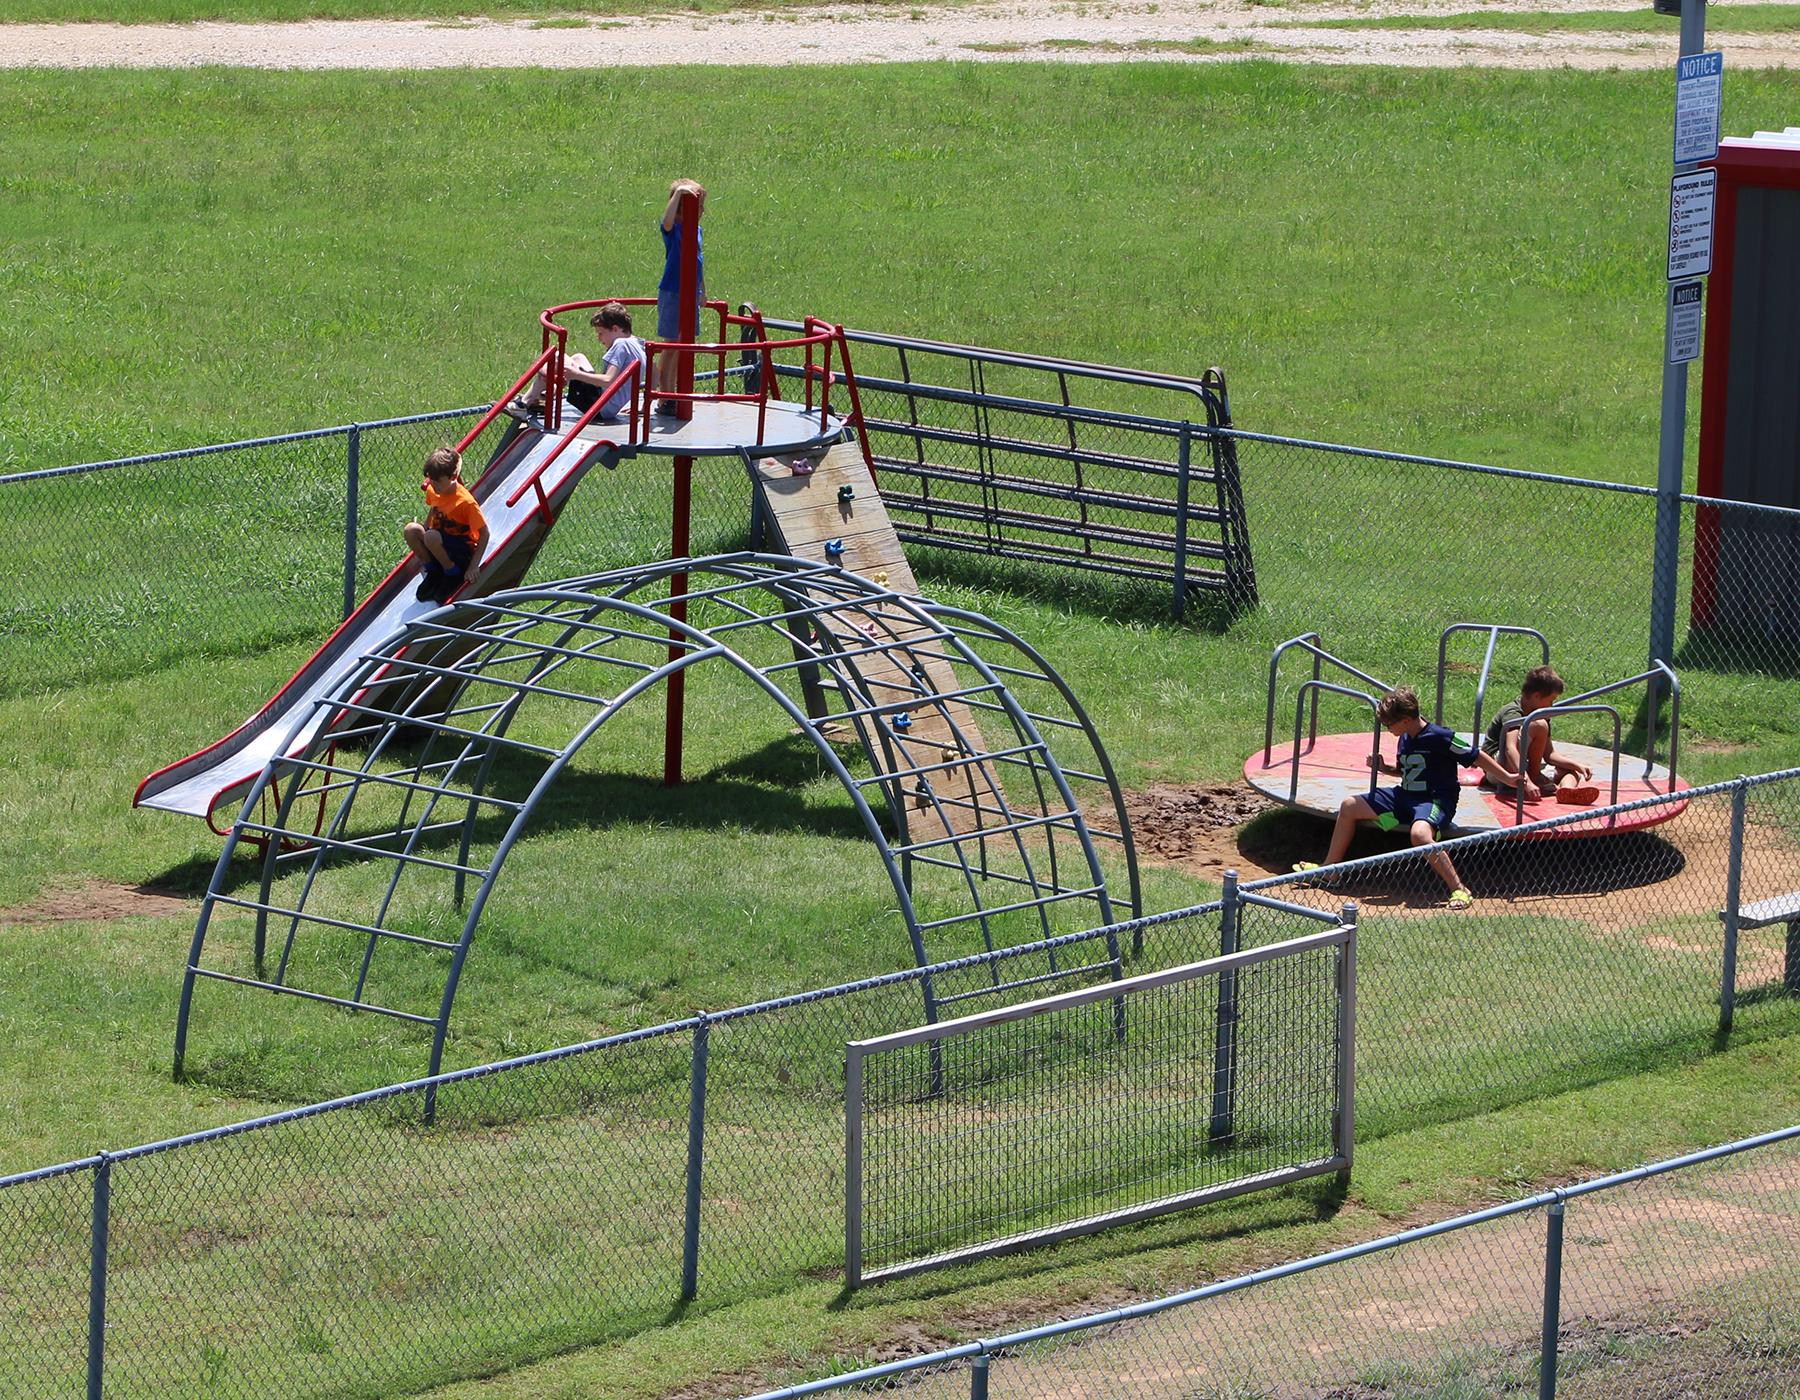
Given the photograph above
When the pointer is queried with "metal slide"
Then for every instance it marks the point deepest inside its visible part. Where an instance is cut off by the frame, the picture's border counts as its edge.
(220, 775)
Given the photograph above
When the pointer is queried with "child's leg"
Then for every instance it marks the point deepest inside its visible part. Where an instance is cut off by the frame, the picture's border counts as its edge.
(1537, 746)
(428, 545)
(1424, 834)
(1350, 811)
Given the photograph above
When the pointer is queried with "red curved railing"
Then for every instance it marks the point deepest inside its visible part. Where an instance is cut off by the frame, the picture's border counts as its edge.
(821, 341)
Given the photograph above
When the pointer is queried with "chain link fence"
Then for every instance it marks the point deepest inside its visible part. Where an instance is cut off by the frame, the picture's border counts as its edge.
(1675, 1279)
(568, 1197)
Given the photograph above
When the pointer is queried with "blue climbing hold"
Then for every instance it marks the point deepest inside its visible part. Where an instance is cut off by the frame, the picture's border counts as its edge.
(833, 548)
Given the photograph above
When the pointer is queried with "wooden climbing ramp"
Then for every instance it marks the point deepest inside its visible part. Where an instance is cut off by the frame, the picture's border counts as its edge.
(834, 515)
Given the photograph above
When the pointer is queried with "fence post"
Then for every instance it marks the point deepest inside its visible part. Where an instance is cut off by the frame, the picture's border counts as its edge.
(102, 1223)
(1734, 877)
(1221, 1130)
(353, 468)
(853, 1196)
(690, 1235)
(1553, 1243)
(978, 1377)
(1183, 459)
(1344, 1123)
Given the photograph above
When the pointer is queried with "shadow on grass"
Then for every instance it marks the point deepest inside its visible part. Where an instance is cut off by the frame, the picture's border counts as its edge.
(1102, 595)
(1588, 865)
(755, 792)
(1311, 1202)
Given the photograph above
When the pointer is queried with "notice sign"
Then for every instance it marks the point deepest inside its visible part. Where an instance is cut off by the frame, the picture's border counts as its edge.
(1699, 79)
(1685, 300)
(1691, 224)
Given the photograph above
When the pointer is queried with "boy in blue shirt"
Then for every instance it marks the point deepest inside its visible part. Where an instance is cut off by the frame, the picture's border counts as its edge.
(668, 291)
(1425, 801)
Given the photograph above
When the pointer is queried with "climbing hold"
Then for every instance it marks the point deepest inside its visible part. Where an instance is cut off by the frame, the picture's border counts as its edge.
(834, 549)
(903, 722)
(803, 466)
(846, 494)
(881, 579)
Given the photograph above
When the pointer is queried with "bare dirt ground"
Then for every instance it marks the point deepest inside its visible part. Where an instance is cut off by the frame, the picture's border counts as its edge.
(1009, 30)
(95, 902)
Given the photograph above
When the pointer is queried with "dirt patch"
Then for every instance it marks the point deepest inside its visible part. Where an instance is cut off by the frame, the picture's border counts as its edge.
(96, 902)
(1124, 31)
(1193, 827)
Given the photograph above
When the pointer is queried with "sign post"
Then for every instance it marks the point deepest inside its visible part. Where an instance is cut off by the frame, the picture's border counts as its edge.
(1699, 79)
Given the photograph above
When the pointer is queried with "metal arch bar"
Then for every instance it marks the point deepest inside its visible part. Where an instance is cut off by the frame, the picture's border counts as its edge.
(1493, 630)
(699, 648)
(504, 629)
(1049, 673)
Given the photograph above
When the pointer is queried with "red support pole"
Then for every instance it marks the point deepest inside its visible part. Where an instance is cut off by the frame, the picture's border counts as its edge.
(688, 216)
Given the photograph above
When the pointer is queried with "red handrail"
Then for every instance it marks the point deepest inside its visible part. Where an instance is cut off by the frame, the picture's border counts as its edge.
(501, 403)
(630, 380)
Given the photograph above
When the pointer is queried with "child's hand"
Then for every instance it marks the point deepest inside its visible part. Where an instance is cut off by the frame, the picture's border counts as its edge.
(1542, 789)
(1376, 763)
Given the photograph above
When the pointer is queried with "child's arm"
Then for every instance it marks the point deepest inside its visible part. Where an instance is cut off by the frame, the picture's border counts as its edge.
(1495, 769)
(1381, 765)
(668, 218)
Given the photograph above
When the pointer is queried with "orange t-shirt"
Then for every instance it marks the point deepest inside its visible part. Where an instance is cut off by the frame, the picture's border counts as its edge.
(454, 512)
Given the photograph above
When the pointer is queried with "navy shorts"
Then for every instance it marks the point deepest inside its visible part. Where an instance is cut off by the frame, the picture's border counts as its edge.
(1397, 810)
(668, 319)
(456, 547)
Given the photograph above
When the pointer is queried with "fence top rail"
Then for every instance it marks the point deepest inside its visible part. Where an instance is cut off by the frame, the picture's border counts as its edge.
(1049, 1331)
(212, 449)
(1480, 468)
(1758, 507)
(1109, 991)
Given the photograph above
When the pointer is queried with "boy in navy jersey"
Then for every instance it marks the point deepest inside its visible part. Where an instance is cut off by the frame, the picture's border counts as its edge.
(1425, 801)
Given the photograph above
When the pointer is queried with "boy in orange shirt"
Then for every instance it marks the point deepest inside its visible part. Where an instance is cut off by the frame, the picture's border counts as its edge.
(450, 542)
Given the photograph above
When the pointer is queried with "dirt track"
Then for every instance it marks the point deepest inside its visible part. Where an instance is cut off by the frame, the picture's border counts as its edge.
(1013, 30)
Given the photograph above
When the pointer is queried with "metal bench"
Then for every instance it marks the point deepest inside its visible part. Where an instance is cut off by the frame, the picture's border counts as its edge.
(1782, 909)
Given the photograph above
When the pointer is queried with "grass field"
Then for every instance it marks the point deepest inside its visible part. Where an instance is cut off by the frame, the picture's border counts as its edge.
(193, 256)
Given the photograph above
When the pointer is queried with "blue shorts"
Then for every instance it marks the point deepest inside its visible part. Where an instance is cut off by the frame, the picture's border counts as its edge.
(668, 307)
(1397, 810)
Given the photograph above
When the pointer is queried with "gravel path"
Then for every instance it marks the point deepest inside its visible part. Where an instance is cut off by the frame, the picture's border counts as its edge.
(1009, 30)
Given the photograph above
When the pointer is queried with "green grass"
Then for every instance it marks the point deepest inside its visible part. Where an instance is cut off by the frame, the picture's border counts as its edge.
(192, 256)
(1733, 20)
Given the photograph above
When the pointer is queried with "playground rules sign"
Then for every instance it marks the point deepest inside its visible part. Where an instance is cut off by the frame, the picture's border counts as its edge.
(1691, 224)
(1699, 79)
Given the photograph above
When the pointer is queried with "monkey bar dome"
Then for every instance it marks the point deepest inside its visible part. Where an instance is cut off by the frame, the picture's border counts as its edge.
(440, 745)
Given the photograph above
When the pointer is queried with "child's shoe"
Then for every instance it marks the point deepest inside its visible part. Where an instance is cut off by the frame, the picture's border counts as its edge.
(1461, 899)
(1579, 795)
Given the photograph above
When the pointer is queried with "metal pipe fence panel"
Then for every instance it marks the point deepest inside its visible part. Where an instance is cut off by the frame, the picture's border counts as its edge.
(1097, 1107)
(1054, 463)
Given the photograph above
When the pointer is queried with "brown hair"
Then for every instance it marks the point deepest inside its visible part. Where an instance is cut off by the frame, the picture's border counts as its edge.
(612, 314)
(1542, 680)
(443, 461)
(1402, 702)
